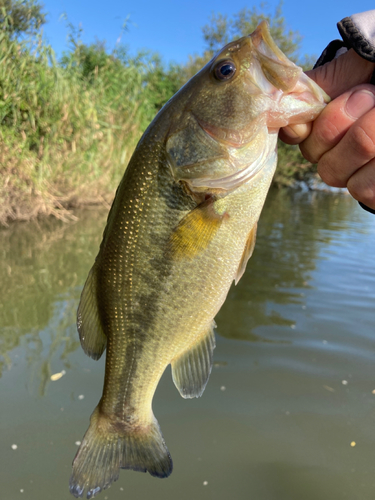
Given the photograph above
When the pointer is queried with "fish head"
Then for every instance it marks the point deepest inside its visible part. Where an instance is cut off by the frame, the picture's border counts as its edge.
(233, 110)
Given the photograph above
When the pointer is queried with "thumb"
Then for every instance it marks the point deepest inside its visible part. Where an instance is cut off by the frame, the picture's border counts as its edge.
(342, 74)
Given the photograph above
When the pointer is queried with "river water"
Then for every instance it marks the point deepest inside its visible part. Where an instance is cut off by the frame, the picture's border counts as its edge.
(289, 411)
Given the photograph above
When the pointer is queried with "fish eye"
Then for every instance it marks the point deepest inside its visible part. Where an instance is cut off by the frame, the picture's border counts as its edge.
(224, 70)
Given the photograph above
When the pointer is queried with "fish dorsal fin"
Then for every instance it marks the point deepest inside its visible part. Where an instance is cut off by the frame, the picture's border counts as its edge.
(247, 253)
(91, 335)
(192, 368)
(195, 231)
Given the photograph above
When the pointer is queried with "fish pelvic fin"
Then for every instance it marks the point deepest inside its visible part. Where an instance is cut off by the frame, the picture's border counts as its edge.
(195, 231)
(109, 446)
(192, 368)
(247, 253)
(91, 334)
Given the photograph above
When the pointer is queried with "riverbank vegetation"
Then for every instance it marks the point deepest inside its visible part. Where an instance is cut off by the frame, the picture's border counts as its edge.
(69, 126)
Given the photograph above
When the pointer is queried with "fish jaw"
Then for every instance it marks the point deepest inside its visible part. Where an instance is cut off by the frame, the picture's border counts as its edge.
(295, 98)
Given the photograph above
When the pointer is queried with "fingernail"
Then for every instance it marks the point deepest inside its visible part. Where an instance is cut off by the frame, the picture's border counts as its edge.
(359, 103)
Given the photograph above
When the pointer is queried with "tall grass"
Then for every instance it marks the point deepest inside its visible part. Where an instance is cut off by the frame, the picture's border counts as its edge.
(66, 133)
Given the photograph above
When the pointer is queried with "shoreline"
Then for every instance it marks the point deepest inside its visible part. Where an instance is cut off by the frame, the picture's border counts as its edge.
(63, 208)
(40, 207)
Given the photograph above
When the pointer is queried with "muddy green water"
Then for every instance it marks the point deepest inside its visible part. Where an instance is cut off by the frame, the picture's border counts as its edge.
(292, 386)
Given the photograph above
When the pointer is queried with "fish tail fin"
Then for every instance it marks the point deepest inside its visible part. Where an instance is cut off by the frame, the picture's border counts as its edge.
(110, 446)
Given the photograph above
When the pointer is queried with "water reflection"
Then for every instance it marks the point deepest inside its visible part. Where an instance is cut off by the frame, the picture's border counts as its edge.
(44, 264)
(293, 228)
(276, 420)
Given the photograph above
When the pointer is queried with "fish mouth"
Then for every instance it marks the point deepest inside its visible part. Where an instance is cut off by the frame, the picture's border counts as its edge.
(233, 181)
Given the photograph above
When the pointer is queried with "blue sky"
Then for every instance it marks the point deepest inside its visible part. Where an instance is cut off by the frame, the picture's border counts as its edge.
(173, 27)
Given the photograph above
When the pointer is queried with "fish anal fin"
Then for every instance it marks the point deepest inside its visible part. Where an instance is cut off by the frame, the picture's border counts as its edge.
(192, 368)
(247, 253)
(195, 231)
(91, 334)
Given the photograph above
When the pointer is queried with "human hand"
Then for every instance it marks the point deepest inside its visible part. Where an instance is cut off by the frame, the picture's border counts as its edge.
(342, 139)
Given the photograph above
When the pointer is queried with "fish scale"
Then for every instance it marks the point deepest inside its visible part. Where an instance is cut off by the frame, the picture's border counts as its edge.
(181, 229)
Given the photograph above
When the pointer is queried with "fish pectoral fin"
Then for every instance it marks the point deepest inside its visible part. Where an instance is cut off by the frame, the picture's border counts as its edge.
(247, 253)
(195, 231)
(91, 335)
(192, 368)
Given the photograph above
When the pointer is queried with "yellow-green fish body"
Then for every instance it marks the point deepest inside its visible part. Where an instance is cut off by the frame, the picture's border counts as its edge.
(180, 230)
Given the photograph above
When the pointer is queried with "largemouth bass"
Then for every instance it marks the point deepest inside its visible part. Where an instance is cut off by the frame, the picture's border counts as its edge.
(181, 229)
